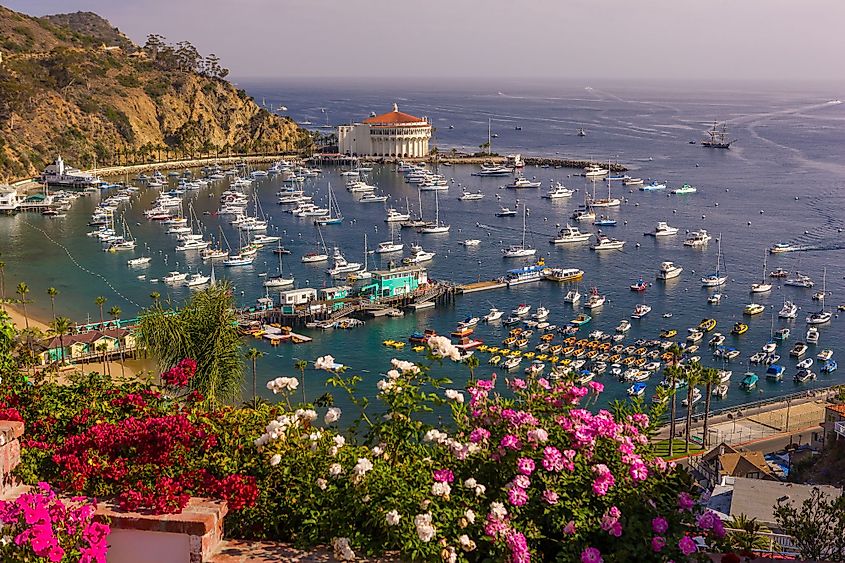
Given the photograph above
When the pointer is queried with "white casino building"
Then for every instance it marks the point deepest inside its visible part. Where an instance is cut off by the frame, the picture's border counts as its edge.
(389, 134)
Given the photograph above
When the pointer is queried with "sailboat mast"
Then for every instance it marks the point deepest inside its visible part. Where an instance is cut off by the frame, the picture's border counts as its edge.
(524, 213)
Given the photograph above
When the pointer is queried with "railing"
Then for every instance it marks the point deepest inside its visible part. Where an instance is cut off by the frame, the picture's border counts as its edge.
(776, 543)
(839, 428)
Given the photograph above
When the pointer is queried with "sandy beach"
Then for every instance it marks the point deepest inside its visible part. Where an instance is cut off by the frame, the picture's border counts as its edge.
(131, 368)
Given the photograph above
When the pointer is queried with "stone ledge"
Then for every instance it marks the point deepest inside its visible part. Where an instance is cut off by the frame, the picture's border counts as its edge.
(199, 517)
(10, 430)
(240, 551)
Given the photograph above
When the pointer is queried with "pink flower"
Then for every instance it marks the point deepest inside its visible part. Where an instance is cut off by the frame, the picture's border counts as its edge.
(479, 435)
(659, 525)
(596, 387)
(525, 465)
(552, 459)
(551, 497)
(719, 528)
(517, 383)
(517, 496)
(486, 384)
(610, 522)
(521, 481)
(686, 545)
(569, 529)
(604, 479)
(657, 543)
(444, 476)
(519, 548)
(56, 554)
(511, 442)
(685, 501)
(544, 383)
(538, 436)
(591, 555)
(707, 520)
(639, 472)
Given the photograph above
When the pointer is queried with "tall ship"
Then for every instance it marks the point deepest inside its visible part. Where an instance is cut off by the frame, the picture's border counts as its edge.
(61, 175)
(717, 138)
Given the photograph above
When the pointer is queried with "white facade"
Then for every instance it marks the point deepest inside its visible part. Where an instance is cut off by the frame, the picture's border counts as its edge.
(10, 200)
(390, 134)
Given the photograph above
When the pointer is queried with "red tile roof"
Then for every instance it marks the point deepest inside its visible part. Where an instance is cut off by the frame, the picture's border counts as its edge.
(393, 118)
(838, 409)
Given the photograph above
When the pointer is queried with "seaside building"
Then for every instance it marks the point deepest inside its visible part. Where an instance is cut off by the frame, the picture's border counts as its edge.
(61, 175)
(390, 134)
(396, 282)
(10, 199)
(726, 461)
(834, 424)
(85, 345)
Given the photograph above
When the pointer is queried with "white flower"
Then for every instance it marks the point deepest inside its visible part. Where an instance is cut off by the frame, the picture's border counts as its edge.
(339, 441)
(362, 467)
(393, 374)
(470, 483)
(449, 555)
(392, 518)
(425, 530)
(342, 551)
(335, 469)
(470, 516)
(439, 489)
(324, 362)
(454, 395)
(443, 347)
(275, 460)
(321, 483)
(303, 414)
(377, 450)
(314, 436)
(333, 415)
(480, 490)
(282, 384)
(384, 385)
(435, 435)
(466, 543)
(498, 510)
(366, 499)
(405, 367)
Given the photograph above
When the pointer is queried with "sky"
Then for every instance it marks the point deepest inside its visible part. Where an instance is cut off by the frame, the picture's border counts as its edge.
(729, 40)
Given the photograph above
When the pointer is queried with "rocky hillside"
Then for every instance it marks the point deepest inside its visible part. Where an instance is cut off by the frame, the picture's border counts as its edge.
(74, 85)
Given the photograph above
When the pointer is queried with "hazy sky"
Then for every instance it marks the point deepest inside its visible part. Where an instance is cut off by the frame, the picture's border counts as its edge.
(784, 40)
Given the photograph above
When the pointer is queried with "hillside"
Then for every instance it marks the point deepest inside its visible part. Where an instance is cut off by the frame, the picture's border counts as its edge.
(74, 85)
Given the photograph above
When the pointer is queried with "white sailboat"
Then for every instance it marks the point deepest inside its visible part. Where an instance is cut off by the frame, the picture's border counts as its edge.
(717, 278)
(335, 217)
(822, 316)
(764, 284)
(313, 257)
(388, 246)
(520, 251)
(437, 226)
(278, 280)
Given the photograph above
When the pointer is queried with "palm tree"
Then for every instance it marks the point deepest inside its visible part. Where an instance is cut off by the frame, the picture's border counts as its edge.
(709, 377)
(747, 534)
(100, 301)
(301, 365)
(672, 374)
(22, 290)
(155, 296)
(52, 292)
(252, 355)
(102, 348)
(61, 326)
(2, 280)
(693, 373)
(204, 329)
(114, 313)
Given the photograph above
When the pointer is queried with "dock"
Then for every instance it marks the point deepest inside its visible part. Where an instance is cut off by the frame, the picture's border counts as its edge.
(481, 286)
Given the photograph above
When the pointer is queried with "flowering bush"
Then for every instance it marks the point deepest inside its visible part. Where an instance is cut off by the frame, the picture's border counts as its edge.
(42, 526)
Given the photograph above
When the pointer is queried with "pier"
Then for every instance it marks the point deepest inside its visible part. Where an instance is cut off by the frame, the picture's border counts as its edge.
(481, 286)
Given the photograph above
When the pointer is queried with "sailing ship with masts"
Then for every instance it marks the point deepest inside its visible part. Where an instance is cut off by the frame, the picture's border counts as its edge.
(717, 138)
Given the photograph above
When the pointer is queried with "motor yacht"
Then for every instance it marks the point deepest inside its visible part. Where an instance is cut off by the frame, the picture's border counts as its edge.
(624, 326)
(389, 246)
(522, 310)
(783, 247)
(663, 230)
(606, 243)
(396, 216)
(197, 280)
(493, 315)
(470, 242)
(570, 234)
(595, 171)
(697, 238)
(669, 270)
(595, 300)
(640, 311)
(140, 261)
(632, 182)
(558, 191)
(522, 182)
(419, 255)
(800, 280)
(506, 212)
(572, 296)
(471, 196)
(753, 309)
(788, 311)
(175, 277)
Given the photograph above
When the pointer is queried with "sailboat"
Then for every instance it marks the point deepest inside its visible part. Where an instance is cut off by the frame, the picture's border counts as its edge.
(419, 222)
(334, 217)
(388, 246)
(609, 202)
(520, 251)
(241, 258)
(126, 242)
(363, 273)
(717, 278)
(279, 280)
(318, 256)
(437, 226)
(764, 284)
(822, 316)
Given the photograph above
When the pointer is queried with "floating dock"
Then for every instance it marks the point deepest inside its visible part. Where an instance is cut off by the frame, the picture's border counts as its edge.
(481, 286)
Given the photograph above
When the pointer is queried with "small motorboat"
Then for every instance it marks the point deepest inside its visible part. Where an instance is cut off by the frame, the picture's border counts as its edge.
(753, 309)
(825, 355)
(803, 376)
(739, 328)
(639, 285)
(775, 372)
(829, 366)
(798, 350)
(493, 315)
(637, 389)
(749, 381)
(806, 363)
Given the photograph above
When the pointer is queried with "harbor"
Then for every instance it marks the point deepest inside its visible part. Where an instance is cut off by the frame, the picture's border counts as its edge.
(324, 287)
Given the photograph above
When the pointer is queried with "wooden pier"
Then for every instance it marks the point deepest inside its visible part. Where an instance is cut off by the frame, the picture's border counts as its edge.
(481, 286)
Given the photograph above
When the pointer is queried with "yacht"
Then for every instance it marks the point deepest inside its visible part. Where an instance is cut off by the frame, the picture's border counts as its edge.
(493, 315)
(140, 261)
(437, 226)
(663, 230)
(522, 182)
(341, 265)
(389, 246)
(558, 191)
(372, 198)
(197, 280)
(506, 212)
(470, 242)
(800, 280)
(238, 260)
(492, 170)
(175, 277)
(697, 238)
(778, 273)
(595, 171)
(753, 309)
(595, 300)
(570, 234)
(788, 311)
(783, 247)
(763, 286)
(563, 274)
(471, 196)
(632, 182)
(623, 326)
(526, 274)
(572, 296)
(521, 250)
(669, 270)
(419, 255)
(395, 216)
(640, 311)
(812, 335)
(652, 187)
(521, 310)
(717, 278)
(822, 316)
(541, 314)
(606, 243)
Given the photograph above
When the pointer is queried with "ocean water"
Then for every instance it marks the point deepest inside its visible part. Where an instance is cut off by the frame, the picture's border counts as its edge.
(781, 182)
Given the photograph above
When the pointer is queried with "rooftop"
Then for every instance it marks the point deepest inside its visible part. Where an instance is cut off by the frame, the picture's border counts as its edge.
(838, 409)
(394, 117)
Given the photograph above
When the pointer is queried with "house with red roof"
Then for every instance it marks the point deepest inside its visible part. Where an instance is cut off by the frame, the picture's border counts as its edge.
(391, 134)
